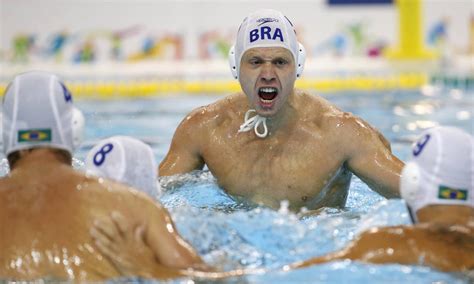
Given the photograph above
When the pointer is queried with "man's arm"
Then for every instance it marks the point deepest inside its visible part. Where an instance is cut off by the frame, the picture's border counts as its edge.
(370, 158)
(170, 249)
(378, 245)
(152, 249)
(184, 154)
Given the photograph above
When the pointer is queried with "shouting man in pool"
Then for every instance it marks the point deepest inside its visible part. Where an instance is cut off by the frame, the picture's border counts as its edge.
(271, 142)
(437, 185)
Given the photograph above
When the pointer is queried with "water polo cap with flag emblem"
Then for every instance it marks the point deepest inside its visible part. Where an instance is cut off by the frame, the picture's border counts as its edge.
(38, 112)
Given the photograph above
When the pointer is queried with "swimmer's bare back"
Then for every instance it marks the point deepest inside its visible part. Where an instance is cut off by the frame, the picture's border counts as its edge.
(46, 212)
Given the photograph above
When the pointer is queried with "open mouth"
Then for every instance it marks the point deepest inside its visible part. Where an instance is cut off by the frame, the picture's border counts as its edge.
(267, 94)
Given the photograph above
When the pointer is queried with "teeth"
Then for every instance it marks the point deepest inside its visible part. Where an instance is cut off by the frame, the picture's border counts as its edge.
(268, 90)
(265, 101)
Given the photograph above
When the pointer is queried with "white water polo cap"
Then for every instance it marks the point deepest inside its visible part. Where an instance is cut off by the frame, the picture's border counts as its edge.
(440, 170)
(266, 28)
(38, 111)
(126, 160)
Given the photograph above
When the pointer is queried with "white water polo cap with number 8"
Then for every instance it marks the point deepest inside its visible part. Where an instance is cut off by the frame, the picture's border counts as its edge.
(124, 159)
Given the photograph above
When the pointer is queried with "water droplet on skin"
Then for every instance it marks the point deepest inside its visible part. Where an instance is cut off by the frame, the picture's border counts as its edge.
(77, 164)
(284, 205)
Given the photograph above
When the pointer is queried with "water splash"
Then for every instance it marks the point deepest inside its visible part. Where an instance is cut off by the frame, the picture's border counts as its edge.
(78, 164)
(4, 167)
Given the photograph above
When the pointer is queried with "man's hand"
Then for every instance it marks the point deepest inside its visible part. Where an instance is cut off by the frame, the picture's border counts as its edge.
(124, 245)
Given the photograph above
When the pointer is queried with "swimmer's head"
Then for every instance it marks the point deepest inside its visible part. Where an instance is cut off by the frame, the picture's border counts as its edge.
(440, 171)
(266, 28)
(126, 160)
(38, 112)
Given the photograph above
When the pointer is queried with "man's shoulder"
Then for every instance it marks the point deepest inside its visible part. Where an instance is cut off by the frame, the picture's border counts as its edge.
(5, 183)
(212, 114)
(344, 121)
(100, 184)
(314, 102)
(113, 191)
(339, 124)
(323, 112)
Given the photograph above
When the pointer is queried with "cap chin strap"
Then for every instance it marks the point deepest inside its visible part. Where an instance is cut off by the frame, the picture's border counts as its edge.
(253, 123)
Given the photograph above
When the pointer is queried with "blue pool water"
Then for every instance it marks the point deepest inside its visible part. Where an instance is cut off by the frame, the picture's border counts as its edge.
(229, 234)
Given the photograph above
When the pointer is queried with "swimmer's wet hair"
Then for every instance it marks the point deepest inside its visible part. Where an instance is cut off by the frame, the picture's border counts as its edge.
(14, 157)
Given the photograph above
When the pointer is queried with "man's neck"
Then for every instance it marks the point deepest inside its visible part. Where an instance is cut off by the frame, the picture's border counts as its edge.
(284, 117)
(447, 215)
(40, 158)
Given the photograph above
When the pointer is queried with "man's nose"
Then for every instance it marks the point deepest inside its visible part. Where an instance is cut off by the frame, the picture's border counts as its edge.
(267, 72)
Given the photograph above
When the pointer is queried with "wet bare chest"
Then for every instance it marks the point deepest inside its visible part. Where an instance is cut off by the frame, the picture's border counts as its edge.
(297, 169)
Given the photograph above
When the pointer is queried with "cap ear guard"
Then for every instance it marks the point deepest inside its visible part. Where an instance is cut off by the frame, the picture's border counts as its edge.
(299, 65)
(410, 183)
(232, 62)
(1, 132)
(78, 122)
(301, 60)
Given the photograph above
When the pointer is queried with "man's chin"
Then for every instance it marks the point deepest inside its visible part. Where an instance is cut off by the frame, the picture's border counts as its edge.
(266, 112)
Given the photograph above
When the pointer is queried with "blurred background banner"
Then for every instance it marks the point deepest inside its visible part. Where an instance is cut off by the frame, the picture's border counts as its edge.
(189, 39)
(139, 67)
(351, 2)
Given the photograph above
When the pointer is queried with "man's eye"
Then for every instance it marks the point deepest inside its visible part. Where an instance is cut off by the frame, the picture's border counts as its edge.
(281, 62)
(255, 61)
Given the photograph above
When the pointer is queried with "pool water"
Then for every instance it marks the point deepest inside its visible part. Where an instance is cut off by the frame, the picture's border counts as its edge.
(229, 234)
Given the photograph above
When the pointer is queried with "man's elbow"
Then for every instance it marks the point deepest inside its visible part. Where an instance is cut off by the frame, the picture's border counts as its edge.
(388, 191)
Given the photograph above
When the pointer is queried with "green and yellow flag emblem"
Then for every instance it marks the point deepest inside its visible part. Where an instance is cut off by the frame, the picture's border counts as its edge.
(445, 192)
(34, 135)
